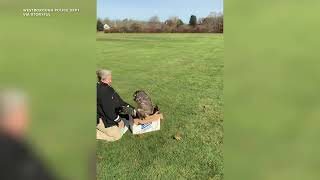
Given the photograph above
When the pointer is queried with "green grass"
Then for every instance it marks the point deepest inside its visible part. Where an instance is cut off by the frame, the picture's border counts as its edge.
(183, 73)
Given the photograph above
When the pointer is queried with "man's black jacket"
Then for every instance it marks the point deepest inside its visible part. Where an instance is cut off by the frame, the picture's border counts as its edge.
(108, 104)
(18, 162)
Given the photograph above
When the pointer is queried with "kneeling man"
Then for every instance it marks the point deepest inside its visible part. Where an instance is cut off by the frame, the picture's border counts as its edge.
(109, 123)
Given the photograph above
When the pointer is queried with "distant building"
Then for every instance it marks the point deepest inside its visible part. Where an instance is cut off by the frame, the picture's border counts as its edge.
(106, 27)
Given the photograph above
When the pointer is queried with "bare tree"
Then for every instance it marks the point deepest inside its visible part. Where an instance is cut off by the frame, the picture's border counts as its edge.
(154, 20)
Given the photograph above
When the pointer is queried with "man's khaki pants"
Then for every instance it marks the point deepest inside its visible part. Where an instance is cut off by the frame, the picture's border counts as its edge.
(109, 134)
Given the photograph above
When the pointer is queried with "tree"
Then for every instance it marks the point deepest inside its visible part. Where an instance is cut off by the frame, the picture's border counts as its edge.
(213, 14)
(169, 22)
(214, 22)
(99, 25)
(174, 22)
(154, 20)
(179, 23)
(193, 20)
(136, 27)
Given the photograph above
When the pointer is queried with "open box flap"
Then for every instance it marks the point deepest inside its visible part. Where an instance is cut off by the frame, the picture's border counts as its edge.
(156, 116)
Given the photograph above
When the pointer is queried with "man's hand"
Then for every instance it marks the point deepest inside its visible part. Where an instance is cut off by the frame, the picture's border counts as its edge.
(121, 124)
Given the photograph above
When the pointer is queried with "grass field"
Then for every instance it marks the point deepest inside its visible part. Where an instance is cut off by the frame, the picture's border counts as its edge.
(183, 73)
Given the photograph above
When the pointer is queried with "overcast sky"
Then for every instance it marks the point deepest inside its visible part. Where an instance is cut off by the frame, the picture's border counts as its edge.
(144, 9)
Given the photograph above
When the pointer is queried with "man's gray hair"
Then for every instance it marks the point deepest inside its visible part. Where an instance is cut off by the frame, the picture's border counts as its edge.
(10, 99)
(103, 74)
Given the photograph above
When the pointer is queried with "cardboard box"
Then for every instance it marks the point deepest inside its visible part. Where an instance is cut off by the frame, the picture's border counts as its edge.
(149, 124)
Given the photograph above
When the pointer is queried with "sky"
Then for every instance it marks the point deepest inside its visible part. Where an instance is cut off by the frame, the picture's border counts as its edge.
(144, 9)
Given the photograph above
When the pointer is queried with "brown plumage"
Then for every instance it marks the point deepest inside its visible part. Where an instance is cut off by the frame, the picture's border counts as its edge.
(145, 106)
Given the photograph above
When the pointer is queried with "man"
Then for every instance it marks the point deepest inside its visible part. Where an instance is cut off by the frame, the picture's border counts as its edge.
(17, 160)
(109, 123)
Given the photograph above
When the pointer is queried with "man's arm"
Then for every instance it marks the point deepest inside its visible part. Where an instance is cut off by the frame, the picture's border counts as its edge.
(122, 102)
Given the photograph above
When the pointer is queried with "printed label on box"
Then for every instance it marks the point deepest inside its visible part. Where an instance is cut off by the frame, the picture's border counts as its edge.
(144, 128)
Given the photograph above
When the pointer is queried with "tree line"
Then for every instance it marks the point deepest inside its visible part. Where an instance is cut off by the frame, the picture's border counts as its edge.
(213, 23)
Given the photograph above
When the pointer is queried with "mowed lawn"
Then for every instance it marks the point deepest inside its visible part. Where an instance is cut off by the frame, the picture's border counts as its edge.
(183, 73)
